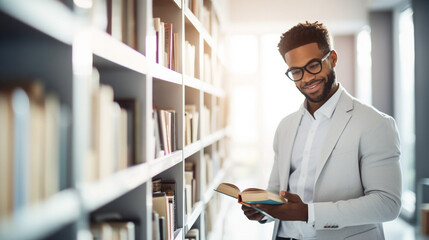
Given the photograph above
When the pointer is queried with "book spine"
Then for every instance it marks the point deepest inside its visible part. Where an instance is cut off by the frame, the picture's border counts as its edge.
(21, 112)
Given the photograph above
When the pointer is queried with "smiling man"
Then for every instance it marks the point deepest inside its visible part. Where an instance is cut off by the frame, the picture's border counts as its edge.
(336, 159)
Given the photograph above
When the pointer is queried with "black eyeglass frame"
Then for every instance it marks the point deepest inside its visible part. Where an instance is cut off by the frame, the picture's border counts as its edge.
(305, 67)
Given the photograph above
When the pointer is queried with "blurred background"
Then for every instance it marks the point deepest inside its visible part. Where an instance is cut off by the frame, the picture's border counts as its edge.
(378, 42)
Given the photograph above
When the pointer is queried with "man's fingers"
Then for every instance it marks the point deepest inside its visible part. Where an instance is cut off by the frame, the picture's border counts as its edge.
(263, 207)
(246, 208)
(251, 213)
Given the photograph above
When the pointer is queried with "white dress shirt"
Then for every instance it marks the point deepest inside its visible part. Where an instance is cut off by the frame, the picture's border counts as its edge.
(305, 156)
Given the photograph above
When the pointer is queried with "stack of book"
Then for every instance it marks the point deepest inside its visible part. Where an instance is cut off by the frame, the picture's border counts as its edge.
(207, 63)
(190, 186)
(209, 174)
(122, 21)
(191, 123)
(164, 217)
(110, 129)
(113, 230)
(206, 127)
(166, 45)
(193, 234)
(35, 128)
(165, 131)
(189, 59)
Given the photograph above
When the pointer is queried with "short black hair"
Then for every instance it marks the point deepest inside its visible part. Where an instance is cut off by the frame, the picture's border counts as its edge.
(305, 33)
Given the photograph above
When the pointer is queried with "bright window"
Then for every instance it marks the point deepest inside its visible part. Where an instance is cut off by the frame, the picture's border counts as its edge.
(404, 106)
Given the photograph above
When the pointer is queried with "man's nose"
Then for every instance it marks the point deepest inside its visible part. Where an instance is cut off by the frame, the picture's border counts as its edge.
(307, 77)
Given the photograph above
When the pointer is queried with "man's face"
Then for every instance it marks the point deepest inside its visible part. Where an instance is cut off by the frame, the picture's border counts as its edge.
(316, 87)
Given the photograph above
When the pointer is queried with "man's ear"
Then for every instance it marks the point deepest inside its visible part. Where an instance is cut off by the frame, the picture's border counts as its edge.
(333, 58)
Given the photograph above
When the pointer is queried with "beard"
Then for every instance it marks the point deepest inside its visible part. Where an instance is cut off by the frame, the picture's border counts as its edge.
(327, 87)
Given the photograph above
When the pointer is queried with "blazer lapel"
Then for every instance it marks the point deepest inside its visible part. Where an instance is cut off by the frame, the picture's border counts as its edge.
(340, 119)
(289, 142)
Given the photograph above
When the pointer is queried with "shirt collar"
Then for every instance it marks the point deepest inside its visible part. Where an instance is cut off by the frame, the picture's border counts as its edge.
(327, 109)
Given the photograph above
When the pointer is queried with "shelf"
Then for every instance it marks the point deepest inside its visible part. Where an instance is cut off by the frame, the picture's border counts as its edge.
(213, 185)
(192, 148)
(163, 163)
(198, 26)
(213, 235)
(42, 219)
(214, 137)
(115, 51)
(208, 88)
(97, 194)
(193, 19)
(178, 3)
(165, 74)
(192, 82)
(196, 212)
(60, 22)
(216, 181)
(206, 36)
(178, 234)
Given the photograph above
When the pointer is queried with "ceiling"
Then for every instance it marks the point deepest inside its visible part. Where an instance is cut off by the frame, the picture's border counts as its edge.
(268, 16)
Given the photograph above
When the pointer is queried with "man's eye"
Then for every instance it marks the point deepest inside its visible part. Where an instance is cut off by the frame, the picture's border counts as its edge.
(313, 66)
(296, 72)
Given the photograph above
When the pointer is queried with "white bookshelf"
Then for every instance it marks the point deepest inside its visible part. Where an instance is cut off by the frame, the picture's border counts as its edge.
(58, 43)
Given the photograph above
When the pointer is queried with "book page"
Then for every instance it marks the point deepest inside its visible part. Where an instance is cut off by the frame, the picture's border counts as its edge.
(228, 189)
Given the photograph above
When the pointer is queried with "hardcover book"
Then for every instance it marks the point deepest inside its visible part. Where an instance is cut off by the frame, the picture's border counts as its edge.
(250, 195)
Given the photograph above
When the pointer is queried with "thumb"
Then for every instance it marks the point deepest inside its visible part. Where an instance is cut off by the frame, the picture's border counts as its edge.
(290, 197)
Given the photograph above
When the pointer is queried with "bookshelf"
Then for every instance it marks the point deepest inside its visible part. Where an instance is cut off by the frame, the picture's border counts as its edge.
(67, 48)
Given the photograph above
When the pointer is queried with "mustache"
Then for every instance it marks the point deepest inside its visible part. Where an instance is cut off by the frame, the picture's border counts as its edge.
(312, 82)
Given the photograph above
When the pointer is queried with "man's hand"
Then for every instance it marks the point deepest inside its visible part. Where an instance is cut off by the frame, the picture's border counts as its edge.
(293, 210)
(251, 213)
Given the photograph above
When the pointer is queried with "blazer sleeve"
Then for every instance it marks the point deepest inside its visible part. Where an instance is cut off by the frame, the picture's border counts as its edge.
(381, 181)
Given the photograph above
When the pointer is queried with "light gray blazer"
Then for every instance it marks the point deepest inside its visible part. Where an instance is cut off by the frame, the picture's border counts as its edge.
(358, 177)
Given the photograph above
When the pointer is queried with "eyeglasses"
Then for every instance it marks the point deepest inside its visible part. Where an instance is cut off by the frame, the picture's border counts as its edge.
(314, 67)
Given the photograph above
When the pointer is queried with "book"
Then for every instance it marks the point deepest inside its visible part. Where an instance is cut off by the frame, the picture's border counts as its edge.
(156, 132)
(172, 126)
(190, 186)
(189, 59)
(193, 234)
(168, 40)
(64, 141)
(21, 124)
(102, 132)
(162, 230)
(132, 107)
(164, 206)
(155, 226)
(250, 195)
(6, 154)
(192, 123)
(113, 230)
(50, 171)
(130, 23)
(175, 51)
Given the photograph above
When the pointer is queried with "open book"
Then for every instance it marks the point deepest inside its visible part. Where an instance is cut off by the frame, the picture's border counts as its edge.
(250, 195)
